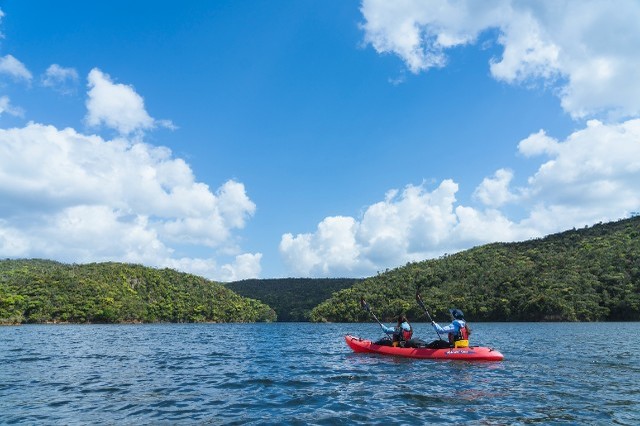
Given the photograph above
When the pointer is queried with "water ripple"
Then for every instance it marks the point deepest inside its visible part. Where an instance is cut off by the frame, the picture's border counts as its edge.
(185, 374)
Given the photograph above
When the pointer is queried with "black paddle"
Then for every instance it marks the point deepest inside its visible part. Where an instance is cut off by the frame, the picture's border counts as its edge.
(421, 303)
(366, 307)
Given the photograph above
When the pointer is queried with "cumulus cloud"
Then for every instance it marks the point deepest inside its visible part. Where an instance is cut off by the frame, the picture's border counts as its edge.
(63, 80)
(597, 168)
(588, 49)
(14, 68)
(117, 106)
(494, 191)
(72, 197)
(538, 143)
(332, 249)
(590, 176)
(420, 31)
(245, 266)
(408, 225)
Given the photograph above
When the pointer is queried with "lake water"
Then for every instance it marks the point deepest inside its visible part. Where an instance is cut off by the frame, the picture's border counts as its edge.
(305, 374)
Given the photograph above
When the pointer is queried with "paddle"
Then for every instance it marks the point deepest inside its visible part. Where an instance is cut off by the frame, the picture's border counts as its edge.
(366, 307)
(421, 303)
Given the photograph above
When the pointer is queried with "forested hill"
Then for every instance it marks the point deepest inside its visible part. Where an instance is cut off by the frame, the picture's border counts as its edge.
(40, 291)
(291, 298)
(590, 274)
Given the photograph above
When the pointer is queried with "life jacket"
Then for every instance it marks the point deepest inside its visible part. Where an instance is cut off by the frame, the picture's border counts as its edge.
(406, 335)
(461, 338)
(464, 332)
(402, 334)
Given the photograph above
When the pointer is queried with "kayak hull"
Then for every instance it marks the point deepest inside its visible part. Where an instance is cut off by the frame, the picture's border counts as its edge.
(472, 353)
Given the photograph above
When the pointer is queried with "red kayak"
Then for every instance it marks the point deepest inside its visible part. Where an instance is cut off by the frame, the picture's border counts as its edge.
(471, 353)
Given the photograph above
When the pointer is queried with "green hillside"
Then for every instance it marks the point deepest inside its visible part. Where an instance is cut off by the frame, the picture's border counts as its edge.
(590, 274)
(291, 298)
(39, 291)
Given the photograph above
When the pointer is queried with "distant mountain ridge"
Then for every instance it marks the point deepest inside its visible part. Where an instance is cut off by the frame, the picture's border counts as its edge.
(590, 274)
(291, 298)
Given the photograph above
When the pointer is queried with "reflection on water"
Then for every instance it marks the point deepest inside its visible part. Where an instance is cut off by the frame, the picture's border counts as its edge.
(305, 374)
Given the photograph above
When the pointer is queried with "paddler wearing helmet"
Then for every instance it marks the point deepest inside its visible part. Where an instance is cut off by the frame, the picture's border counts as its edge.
(458, 330)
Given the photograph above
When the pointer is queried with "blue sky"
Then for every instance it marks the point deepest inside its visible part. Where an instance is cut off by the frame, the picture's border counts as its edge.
(239, 139)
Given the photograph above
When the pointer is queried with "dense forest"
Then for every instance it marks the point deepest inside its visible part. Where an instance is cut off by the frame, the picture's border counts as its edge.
(590, 274)
(41, 291)
(291, 298)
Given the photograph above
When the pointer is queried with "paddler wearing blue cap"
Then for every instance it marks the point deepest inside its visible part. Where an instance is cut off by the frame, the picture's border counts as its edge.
(458, 330)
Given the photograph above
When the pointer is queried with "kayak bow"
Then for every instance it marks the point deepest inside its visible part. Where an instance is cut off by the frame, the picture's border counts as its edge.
(472, 353)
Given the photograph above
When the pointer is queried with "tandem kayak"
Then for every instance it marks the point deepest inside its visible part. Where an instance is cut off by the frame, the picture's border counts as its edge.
(472, 353)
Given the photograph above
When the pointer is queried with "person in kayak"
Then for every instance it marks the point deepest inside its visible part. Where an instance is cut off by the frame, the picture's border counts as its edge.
(401, 333)
(458, 330)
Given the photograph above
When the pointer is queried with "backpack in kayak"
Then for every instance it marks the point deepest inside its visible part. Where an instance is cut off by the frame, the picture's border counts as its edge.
(415, 343)
(438, 344)
(385, 341)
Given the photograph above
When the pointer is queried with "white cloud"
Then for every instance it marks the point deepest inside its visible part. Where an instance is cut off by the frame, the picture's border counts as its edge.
(591, 176)
(597, 168)
(79, 198)
(14, 68)
(529, 50)
(245, 266)
(117, 106)
(476, 226)
(6, 107)
(12, 242)
(64, 80)
(587, 48)
(299, 253)
(420, 31)
(331, 250)
(538, 143)
(494, 191)
(408, 225)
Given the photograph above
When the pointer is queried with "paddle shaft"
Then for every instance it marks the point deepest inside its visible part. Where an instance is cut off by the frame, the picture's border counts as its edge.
(421, 303)
(365, 305)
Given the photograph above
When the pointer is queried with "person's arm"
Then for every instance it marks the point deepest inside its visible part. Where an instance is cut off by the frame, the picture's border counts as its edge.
(388, 330)
(451, 328)
(405, 326)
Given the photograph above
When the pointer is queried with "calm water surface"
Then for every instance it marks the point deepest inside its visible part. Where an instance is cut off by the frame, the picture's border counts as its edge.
(305, 374)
